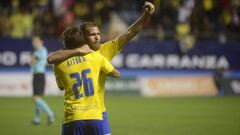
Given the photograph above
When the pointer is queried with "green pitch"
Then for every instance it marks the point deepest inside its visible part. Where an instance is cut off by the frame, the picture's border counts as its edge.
(135, 116)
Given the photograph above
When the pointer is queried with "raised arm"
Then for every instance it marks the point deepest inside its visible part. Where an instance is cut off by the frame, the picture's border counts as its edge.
(136, 27)
(62, 55)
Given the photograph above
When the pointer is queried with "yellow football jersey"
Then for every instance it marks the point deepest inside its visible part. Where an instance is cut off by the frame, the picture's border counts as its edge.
(79, 77)
(108, 50)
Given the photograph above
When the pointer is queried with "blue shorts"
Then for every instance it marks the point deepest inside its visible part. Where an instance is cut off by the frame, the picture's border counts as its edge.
(83, 127)
(106, 127)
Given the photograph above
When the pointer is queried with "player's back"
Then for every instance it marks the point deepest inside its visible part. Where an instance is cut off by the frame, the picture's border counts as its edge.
(79, 77)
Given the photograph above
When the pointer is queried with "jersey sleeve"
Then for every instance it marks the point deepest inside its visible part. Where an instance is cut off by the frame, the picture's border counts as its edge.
(110, 48)
(106, 66)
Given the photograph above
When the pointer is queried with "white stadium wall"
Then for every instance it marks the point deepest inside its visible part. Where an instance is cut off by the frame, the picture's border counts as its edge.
(20, 84)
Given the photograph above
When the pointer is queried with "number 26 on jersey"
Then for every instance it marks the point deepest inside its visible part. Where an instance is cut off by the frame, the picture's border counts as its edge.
(82, 80)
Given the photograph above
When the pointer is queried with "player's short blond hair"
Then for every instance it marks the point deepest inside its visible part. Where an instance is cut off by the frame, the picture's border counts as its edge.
(84, 26)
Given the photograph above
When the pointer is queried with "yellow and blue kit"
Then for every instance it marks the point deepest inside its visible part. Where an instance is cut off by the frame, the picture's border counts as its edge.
(79, 77)
(108, 50)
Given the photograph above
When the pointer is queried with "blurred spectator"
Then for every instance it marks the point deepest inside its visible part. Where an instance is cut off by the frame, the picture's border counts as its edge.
(116, 26)
(17, 24)
(185, 10)
(184, 37)
(58, 7)
(102, 10)
(27, 23)
(5, 25)
(207, 19)
(81, 10)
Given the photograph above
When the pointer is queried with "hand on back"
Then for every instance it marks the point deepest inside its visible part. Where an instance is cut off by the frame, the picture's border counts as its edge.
(85, 49)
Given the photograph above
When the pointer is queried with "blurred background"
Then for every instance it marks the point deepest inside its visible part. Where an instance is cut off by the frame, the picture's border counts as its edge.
(203, 19)
(189, 51)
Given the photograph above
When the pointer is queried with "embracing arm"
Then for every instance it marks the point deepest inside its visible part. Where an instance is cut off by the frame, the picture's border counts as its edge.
(62, 55)
(137, 26)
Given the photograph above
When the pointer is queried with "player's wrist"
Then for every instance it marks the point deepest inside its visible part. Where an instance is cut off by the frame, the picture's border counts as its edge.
(80, 51)
(146, 14)
(75, 52)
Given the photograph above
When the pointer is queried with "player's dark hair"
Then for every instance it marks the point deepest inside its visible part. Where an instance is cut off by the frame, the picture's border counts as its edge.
(72, 37)
(83, 27)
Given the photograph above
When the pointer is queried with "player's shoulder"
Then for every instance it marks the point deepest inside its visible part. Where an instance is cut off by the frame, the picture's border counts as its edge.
(109, 42)
(94, 55)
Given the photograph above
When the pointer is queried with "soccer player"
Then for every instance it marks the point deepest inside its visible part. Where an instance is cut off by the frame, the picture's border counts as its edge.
(108, 49)
(38, 66)
(79, 76)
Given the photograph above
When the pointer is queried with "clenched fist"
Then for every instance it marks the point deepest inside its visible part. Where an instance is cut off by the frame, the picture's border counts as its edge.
(148, 8)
